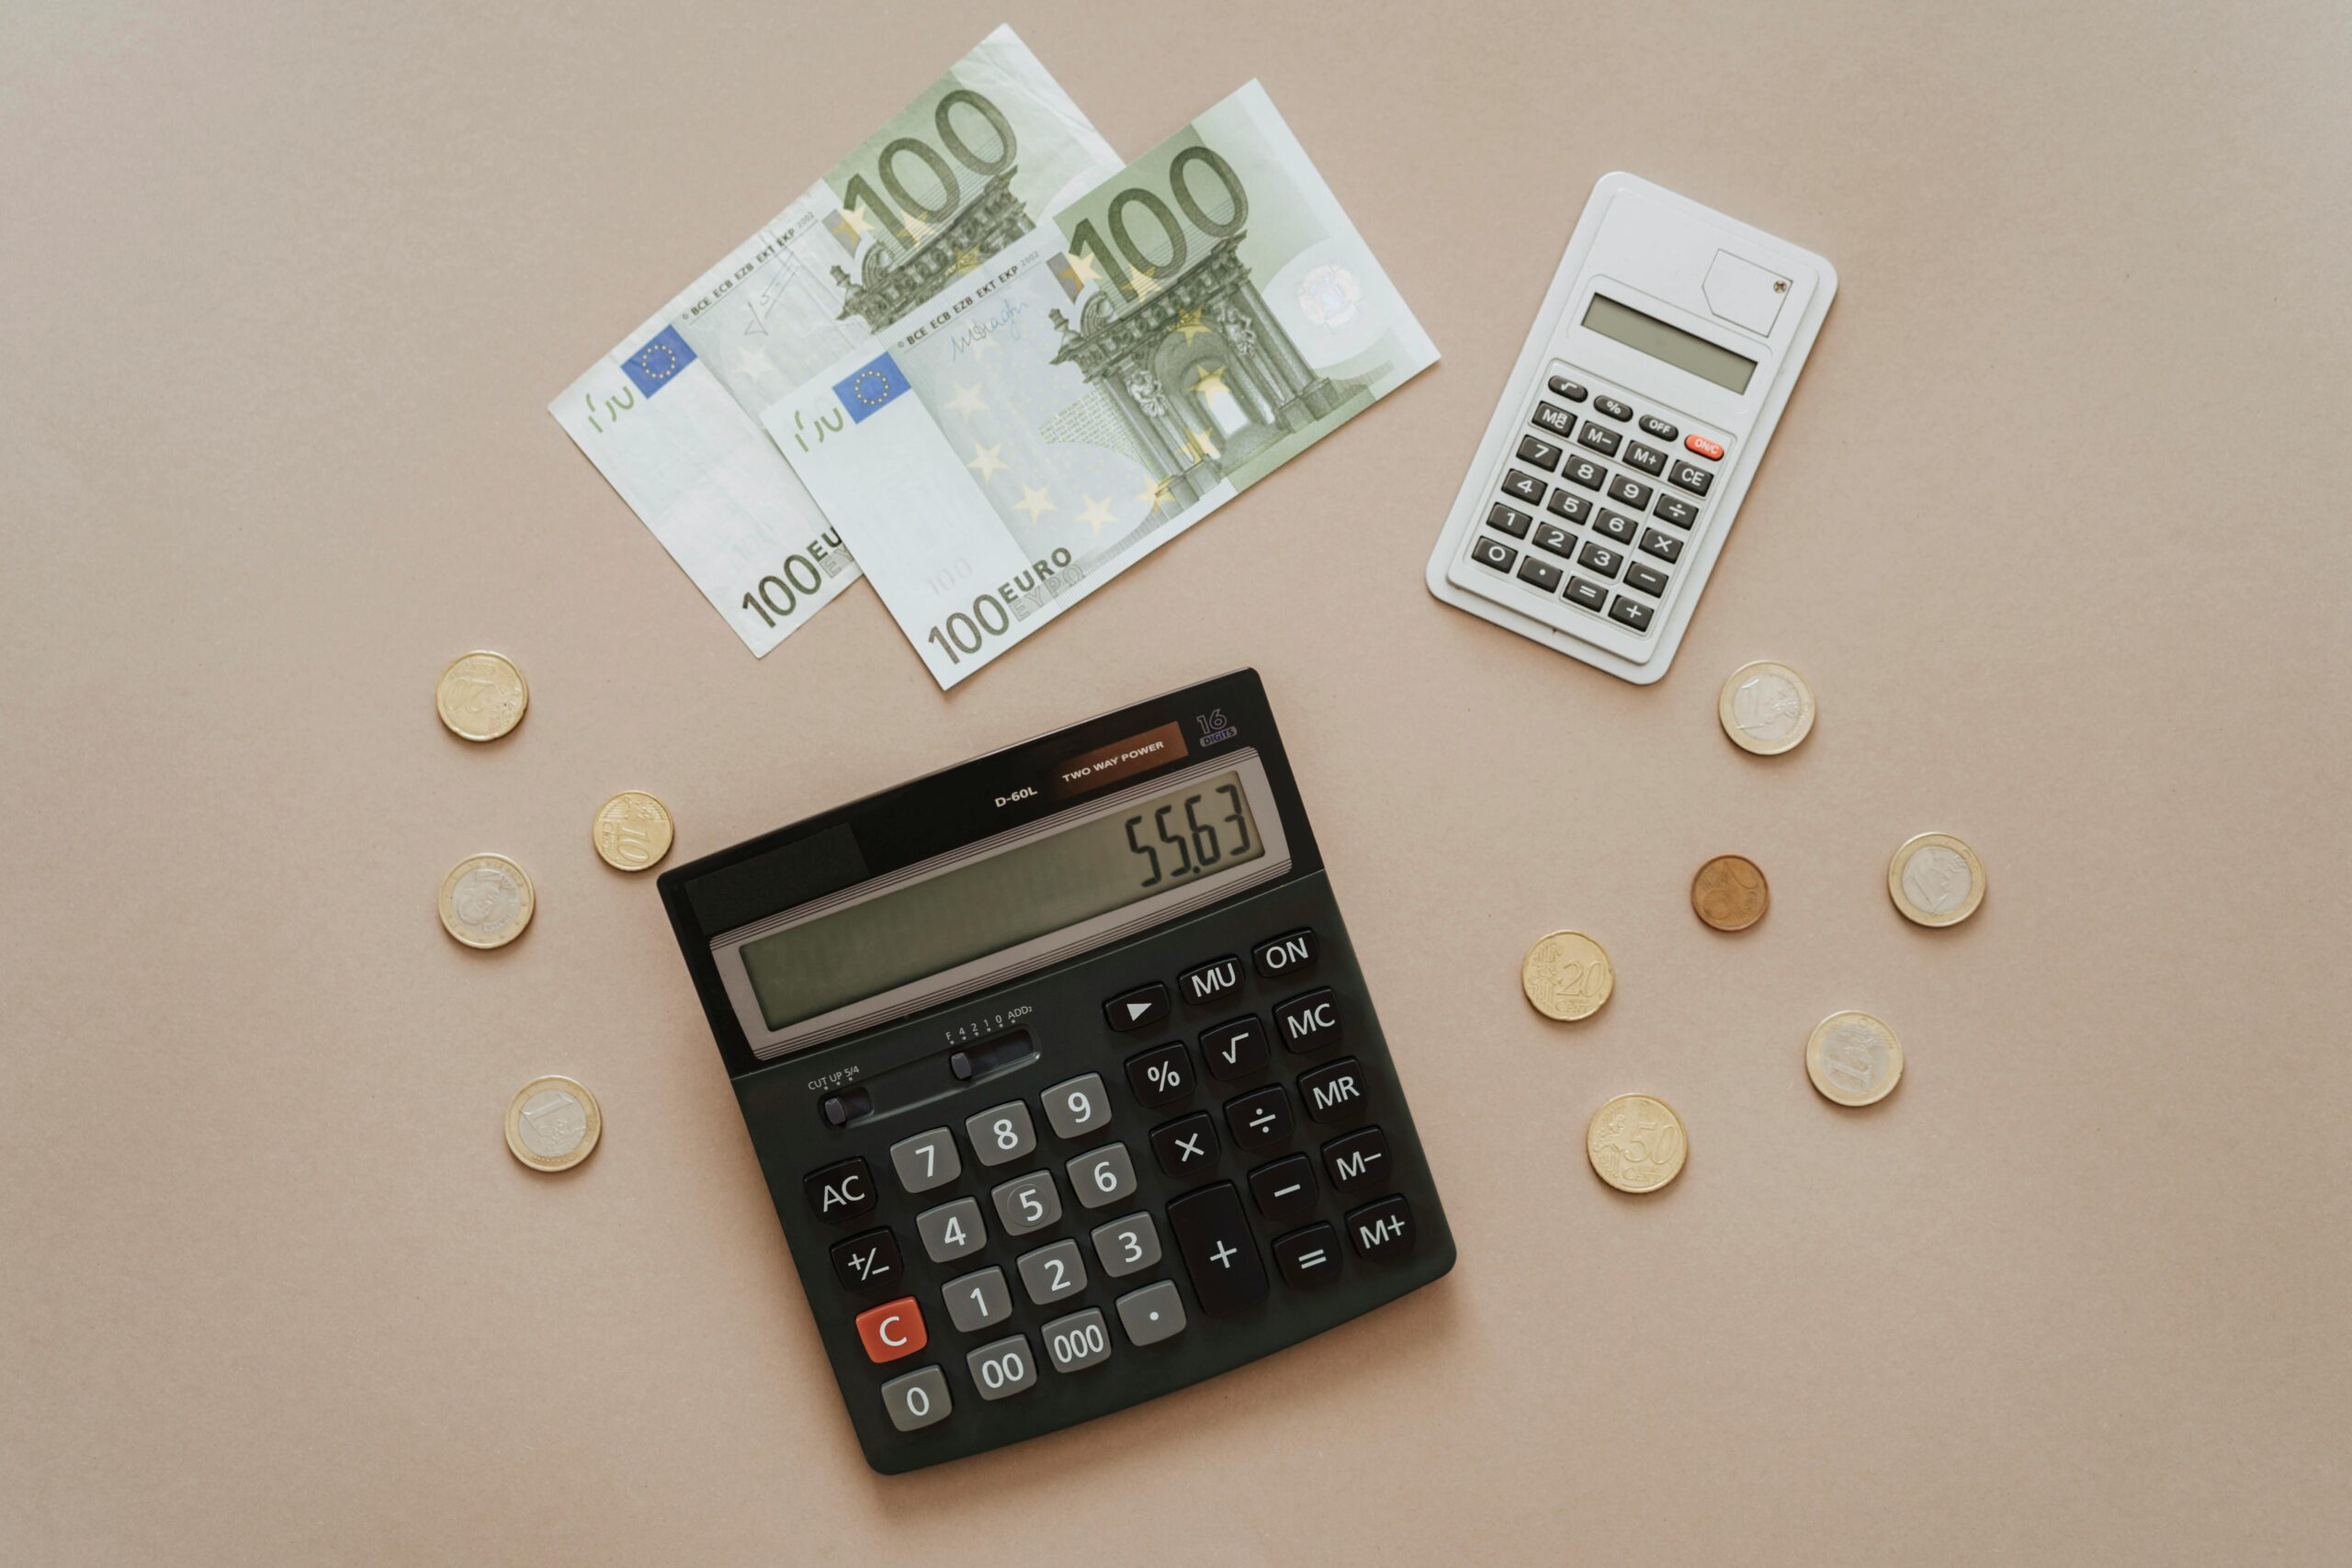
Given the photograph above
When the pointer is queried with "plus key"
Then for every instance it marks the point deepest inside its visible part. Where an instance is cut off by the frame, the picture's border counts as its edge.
(1214, 1236)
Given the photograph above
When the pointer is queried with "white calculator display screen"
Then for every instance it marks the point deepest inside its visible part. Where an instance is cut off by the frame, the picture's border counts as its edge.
(1685, 351)
(1031, 887)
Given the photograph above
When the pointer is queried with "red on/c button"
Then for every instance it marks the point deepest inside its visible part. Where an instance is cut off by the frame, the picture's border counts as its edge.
(892, 1330)
(1704, 447)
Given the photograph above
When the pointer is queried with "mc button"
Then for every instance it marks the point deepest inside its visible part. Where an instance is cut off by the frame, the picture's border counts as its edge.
(1310, 1023)
(1290, 954)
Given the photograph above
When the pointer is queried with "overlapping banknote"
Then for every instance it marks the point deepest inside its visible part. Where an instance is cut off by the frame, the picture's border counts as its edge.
(970, 167)
(1114, 376)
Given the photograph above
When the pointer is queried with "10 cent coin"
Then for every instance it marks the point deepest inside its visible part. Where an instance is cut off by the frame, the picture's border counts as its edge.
(632, 832)
(553, 1124)
(486, 901)
(481, 695)
(1637, 1143)
(1936, 880)
(1729, 892)
(1566, 975)
(1853, 1059)
(1766, 707)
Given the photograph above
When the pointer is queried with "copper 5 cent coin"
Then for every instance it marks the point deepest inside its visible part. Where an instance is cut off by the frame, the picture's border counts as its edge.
(1729, 892)
(1637, 1143)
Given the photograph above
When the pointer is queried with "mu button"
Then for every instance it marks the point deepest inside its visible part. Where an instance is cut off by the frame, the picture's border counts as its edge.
(1211, 982)
(892, 1330)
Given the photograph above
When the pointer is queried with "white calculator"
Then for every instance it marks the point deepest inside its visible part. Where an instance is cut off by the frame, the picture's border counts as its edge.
(1657, 368)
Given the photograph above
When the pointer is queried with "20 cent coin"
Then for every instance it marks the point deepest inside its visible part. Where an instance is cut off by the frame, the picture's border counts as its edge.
(486, 901)
(1637, 1143)
(481, 695)
(1936, 880)
(632, 832)
(1566, 975)
(1766, 707)
(1729, 892)
(1853, 1059)
(553, 1124)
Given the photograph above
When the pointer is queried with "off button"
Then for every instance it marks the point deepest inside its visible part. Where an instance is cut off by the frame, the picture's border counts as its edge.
(1292, 954)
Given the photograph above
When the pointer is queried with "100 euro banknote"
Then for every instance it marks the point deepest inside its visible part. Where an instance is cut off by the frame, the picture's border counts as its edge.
(969, 166)
(1165, 342)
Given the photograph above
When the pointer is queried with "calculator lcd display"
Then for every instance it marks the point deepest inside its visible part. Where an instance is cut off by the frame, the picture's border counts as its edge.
(1684, 350)
(1028, 889)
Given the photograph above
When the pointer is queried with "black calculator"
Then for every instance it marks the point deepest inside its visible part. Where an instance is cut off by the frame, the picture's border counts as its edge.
(1064, 1078)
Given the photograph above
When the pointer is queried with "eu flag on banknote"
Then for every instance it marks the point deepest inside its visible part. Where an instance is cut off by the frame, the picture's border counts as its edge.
(653, 366)
(868, 388)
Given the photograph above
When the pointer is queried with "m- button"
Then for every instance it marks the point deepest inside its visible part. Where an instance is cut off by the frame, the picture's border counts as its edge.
(1292, 954)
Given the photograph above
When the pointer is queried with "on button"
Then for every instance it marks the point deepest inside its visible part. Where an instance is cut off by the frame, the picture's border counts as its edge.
(1291, 955)
(1704, 447)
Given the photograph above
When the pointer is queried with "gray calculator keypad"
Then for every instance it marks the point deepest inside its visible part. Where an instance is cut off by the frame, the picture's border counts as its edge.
(1027, 1203)
(1003, 1368)
(1002, 1134)
(1052, 1272)
(1127, 1247)
(926, 1160)
(979, 1300)
(917, 1400)
(1079, 1341)
(1153, 1314)
(953, 1230)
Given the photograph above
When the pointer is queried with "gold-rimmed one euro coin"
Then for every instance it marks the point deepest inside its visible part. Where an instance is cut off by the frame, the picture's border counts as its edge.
(1936, 880)
(1853, 1059)
(1637, 1143)
(481, 695)
(1566, 975)
(1730, 893)
(1766, 707)
(633, 831)
(553, 1124)
(486, 900)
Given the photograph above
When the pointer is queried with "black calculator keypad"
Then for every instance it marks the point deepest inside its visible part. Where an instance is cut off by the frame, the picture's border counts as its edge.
(1564, 387)
(1629, 490)
(1215, 981)
(1493, 553)
(840, 1192)
(1308, 1258)
(1690, 477)
(1380, 1229)
(1583, 471)
(1599, 558)
(1652, 425)
(1615, 525)
(1524, 487)
(1675, 509)
(1358, 1161)
(1612, 408)
(1649, 579)
(1664, 545)
(1599, 437)
(1538, 454)
(1293, 953)
(1334, 1092)
(1309, 1022)
(1553, 418)
(1145, 1007)
(1542, 574)
(1567, 504)
(1555, 540)
(1632, 612)
(1260, 1119)
(1589, 593)
(1649, 459)
(868, 1262)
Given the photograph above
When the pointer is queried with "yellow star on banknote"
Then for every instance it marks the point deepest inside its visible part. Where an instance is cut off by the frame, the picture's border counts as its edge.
(858, 220)
(1082, 267)
(1202, 443)
(1210, 382)
(1096, 515)
(1035, 501)
(1188, 323)
(1154, 494)
(1142, 284)
(966, 260)
(987, 460)
(967, 400)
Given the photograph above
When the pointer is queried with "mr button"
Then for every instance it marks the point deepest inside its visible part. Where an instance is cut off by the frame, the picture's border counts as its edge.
(1310, 1023)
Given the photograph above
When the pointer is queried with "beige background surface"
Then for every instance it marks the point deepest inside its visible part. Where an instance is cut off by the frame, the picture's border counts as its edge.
(2054, 524)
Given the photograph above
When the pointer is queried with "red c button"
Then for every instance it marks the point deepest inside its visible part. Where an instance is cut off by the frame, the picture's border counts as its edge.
(892, 1330)
(1704, 447)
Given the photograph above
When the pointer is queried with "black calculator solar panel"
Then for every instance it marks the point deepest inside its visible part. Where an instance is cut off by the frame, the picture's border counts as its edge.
(1061, 1070)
